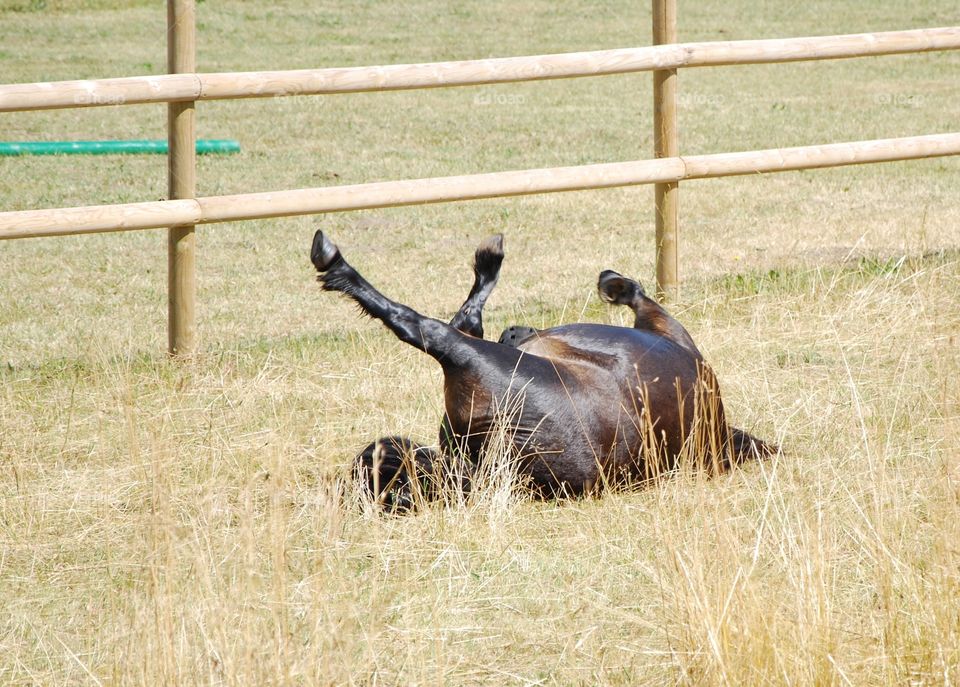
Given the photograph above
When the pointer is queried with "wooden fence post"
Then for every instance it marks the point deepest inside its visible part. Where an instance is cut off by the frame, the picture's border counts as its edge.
(181, 180)
(665, 144)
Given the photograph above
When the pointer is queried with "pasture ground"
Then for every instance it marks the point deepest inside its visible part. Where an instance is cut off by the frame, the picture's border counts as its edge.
(183, 523)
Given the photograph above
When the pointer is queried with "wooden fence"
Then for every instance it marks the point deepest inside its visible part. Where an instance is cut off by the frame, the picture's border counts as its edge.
(182, 87)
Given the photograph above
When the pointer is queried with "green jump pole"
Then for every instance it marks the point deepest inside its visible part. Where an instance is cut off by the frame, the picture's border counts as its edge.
(204, 146)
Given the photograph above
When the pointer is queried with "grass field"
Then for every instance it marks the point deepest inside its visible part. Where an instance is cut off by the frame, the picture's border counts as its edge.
(185, 523)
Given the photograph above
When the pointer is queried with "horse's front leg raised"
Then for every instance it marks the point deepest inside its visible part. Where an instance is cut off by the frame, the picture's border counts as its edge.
(396, 472)
(486, 270)
(436, 338)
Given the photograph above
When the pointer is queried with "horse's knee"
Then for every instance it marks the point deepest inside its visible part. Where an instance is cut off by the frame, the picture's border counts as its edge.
(397, 473)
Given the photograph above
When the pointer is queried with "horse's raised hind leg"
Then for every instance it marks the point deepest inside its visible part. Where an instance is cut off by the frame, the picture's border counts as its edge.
(718, 444)
(648, 314)
(710, 439)
(486, 270)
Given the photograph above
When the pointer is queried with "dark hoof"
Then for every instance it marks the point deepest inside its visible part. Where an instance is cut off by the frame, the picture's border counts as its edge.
(615, 288)
(323, 253)
(516, 335)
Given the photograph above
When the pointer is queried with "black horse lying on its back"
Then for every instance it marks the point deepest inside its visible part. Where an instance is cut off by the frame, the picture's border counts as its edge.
(581, 405)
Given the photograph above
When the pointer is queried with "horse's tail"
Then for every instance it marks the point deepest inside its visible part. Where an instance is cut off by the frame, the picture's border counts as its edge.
(746, 447)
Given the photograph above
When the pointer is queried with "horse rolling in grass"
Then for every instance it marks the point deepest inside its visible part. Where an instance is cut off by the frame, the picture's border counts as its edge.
(578, 407)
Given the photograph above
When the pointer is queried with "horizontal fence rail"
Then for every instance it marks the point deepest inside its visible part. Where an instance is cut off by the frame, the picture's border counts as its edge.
(151, 215)
(184, 87)
(261, 84)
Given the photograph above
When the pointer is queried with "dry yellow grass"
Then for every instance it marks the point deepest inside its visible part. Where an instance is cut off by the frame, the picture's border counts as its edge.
(189, 524)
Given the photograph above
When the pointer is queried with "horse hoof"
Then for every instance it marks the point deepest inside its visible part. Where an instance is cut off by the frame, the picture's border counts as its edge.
(323, 253)
(615, 288)
(489, 256)
(492, 245)
(514, 336)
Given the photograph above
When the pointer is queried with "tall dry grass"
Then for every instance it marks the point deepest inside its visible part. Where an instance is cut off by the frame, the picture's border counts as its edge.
(191, 524)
